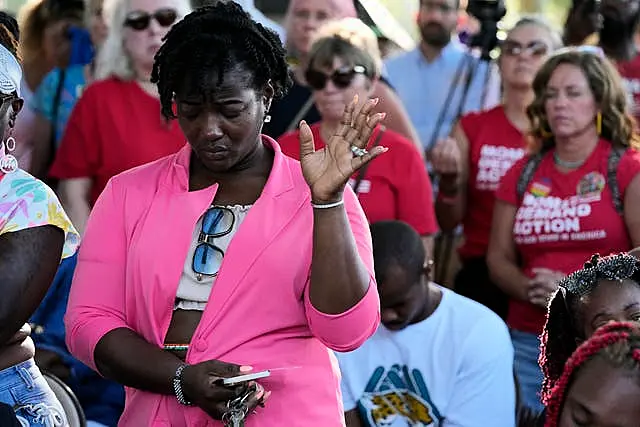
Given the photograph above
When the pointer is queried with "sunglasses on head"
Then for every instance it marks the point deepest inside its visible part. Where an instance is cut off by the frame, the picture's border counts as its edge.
(341, 78)
(535, 48)
(140, 20)
(593, 50)
(207, 258)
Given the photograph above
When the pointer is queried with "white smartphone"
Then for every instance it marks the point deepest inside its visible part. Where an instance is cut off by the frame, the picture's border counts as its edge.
(247, 377)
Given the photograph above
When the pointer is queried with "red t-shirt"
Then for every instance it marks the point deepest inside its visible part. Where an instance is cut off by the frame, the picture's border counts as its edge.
(494, 145)
(396, 185)
(563, 219)
(115, 126)
(630, 72)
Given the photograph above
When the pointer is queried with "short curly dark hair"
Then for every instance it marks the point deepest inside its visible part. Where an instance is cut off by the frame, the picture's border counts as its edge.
(216, 39)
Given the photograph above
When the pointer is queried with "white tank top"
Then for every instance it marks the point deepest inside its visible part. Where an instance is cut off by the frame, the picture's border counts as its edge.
(193, 294)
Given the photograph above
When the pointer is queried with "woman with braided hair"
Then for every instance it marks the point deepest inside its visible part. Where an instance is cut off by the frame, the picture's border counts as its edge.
(606, 289)
(600, 383)
(228, 257)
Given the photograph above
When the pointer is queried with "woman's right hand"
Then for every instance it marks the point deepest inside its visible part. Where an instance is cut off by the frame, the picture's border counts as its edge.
(446, 159)
(201, 386)
(542, 286)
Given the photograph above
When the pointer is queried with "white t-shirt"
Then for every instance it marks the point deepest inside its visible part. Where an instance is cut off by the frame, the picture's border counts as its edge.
(454, 368)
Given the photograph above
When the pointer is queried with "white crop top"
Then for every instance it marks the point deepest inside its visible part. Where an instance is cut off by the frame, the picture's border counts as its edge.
(193, 294)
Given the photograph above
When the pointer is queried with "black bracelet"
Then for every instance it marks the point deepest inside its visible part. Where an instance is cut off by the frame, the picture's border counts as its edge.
(177, 386)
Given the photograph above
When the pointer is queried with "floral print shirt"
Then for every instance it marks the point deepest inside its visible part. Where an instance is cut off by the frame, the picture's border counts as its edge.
(27, 202)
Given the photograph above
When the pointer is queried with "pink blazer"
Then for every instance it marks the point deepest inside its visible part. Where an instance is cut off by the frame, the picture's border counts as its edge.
(259, 312)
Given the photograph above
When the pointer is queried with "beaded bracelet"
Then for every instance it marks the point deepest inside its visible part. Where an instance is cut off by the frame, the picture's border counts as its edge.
(177, 386)
(176, 347)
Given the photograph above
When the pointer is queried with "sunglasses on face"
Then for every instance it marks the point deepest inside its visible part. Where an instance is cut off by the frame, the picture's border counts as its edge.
(6, 98)
(207, 258)
(535, 48)
(140, 20)
(341, 78)
(13, 100)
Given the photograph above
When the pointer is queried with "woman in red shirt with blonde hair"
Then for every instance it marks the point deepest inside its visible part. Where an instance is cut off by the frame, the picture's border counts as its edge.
(576, 194)
(343, 62)
(482, 147)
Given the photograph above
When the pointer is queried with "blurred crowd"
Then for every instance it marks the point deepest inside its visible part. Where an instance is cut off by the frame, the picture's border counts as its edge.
(498, 194)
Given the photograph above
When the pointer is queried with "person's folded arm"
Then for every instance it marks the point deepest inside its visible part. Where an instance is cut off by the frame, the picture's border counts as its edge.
(341, 299)
(24, 282)
(98, 333)
(502, 257)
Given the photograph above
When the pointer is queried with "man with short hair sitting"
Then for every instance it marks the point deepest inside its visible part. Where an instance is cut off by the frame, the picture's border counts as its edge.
(438, 359)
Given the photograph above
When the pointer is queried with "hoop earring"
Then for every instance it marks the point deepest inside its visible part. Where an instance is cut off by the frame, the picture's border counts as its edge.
(267, 118)
(599, 123)
(546, 134)
(8, 162)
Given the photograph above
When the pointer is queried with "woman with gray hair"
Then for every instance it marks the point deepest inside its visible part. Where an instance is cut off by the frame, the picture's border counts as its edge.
(116, 125)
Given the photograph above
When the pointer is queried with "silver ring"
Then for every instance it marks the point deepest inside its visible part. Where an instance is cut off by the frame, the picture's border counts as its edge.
(357, 151)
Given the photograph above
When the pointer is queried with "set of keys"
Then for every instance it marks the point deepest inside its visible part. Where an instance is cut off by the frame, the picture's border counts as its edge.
(237, 409)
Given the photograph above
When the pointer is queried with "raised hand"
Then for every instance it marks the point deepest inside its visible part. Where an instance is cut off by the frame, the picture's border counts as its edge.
(327, 171)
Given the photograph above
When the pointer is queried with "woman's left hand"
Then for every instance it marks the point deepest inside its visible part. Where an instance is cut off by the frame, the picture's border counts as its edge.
(327, 171)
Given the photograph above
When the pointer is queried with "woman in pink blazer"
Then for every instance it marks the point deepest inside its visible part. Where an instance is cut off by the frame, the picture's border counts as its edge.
(228, 257)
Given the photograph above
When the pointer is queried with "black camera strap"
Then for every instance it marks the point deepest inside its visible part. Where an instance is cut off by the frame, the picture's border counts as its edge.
(462, 64)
